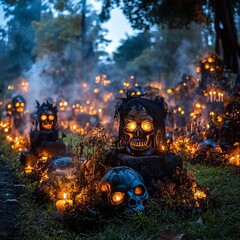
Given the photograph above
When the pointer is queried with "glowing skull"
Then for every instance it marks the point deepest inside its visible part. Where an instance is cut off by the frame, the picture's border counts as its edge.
(47, 120)
(124, 189)
(18, 104)
(139, 131)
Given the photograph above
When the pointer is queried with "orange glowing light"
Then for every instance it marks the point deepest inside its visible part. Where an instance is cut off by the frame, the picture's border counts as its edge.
(138, 191)
(198, 105)
(131, 126)
(147, 126)
(97, 79)
(96, 90)
(169, 91)
(211, 113)
(198, 69)
(199, 194)
(207, 66)
(211, 60)
(117, 198)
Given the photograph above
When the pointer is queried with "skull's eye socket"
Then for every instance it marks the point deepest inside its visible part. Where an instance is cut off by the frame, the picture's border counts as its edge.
(139, 190)
(17, 104)
(117, 198)
(147, 126)
(44, 117)
(131, 126)
(51, 117)
(22, 104)
(9, 106)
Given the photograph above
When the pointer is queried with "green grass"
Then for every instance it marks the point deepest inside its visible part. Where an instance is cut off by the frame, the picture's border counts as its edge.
(40, 221)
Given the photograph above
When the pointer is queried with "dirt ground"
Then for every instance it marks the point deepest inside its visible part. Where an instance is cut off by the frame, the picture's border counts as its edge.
(10, 193)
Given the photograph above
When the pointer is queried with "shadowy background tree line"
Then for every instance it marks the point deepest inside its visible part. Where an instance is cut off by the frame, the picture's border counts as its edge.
(171, 35)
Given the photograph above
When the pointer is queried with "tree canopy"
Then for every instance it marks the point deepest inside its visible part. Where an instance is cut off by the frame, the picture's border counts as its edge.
(143, 14)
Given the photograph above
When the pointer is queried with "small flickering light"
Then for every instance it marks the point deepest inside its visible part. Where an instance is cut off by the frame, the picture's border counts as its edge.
(212, 69)
(207, 66)
(169, 91)
(221, 97)
(10, 87)
(96, 90)
(211, 59)
(97, 79)
(198, 69)
(211, 113)
(214, 96)
(199, 195)
(179, 109)
(132, 77)
(211, 96)
(28, 169)
(235, 160)
(184, 84)
(182, 112)
(88, 102)
(61, 204)
(136, 85)
(198, 105)
(219, 119)
(84, 85)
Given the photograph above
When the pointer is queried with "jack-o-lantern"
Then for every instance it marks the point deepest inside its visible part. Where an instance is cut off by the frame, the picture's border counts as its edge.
(124, 189)
(142, 125)
(18, 104)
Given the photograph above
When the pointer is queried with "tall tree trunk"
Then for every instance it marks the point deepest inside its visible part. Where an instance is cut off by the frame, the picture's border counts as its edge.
(226, 34)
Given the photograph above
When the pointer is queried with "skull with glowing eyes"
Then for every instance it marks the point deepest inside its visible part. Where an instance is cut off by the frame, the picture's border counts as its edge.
(46, 116)
(18, 104)
(139, 131)
(47, 120)
(142, 125)
(124, 189)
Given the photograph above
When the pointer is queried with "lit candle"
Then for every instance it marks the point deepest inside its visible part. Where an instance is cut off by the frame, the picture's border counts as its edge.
(28, 169)
(214, 99)
(211, 99)
(222, 97)
(61, 204)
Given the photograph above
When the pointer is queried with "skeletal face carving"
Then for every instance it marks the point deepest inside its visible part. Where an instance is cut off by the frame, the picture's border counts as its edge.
(18, 104)
(124, 188)
(47, 120)
(139, 131)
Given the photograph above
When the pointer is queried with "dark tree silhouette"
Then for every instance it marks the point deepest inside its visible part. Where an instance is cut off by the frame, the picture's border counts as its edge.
(143, 14)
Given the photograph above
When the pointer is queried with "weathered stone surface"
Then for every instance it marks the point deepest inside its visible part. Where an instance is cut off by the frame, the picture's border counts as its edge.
(152, 167)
